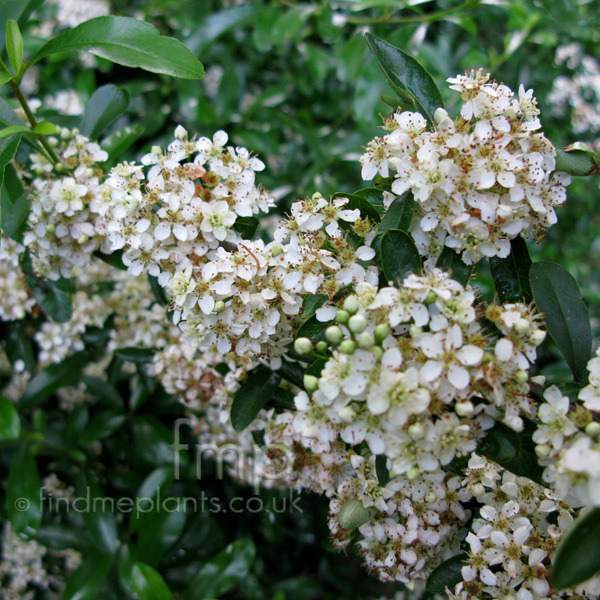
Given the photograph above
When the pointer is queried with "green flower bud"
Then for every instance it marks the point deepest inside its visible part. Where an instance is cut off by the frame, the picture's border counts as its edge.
(348, 347)
(60, 168)
(522, 326)
(413, 473)
(347, 414)
(351, 305)
(431, 497)
(377, 351)
(156, 150)
(417, 431)
(543, 450)
(303, 346)
(342, 316)
(414, 330)
(464, 408)
(521, 376)
(366, 340)
(381, 332)
(593, 429)
(311, 383)
(357, 324)
(276, 250)
(220, 307)
(322, 346)
(478, 489)
(334, 334)
(431, 297)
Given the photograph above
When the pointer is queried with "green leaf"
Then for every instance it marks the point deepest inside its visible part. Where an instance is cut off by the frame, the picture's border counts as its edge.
(577, 557)
(54, 377)
(45, 128)
(406, 76)
(578, 159)
(399, 256)
(399, 213)
(557, 295)
(374, 197)
(221, 573)
(104, 423)
(16, 202)
(14, 44)
(313, 329)
(135, 355)
(253, 394)
(145, 582)
(311, 303)
(18, 345)
(88, 579)
(246, 226)
(513, 450)
(446, 575)
(511, 274)
(13, 129)
(105, 106)
(383, 473)
(23, 490)
(58, 536)
(10, 422)
(450, 261)
(18, 10)
(114, 259)
(353, 514)
(127, 42)
(316, 367)
(8, 150)
(5, 78)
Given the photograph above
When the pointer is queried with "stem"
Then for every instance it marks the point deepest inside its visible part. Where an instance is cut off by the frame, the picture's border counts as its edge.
(426, 18)
(32, 120)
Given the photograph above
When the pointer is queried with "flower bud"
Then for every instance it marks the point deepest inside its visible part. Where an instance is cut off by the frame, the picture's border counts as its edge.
(220, 307)
(537, 337)
(439, 115)
(377, 351)
(538, 379)
(276, 250)
(366, 340)
(357, 324)
(60, 168)
(417, 431)
(156, 150)
(351, 305)
(464, 408)
(342, 316)
(348, 347)
(303, 346)
(334, 334)
(593, 429)
(431, 497)
(322, 346)
(478, 489)
(415, 330)
(543, 450)
(522, 326)
(521, 376)
(347, 414)
(431, 297)
(311, 383)
(51, 228)
(413, 473)
(180, 133)
(381, 332)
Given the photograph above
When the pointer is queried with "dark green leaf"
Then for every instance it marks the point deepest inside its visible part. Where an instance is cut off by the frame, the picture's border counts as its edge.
(406, 76)
(135, 355)
(292, 372)
(19, 347)
(247, 227)
(399, 256)
(222, 572)
(103, 424)
(18, 10)
(88, 579)
(514, 451)
(577, 557)
(450, 261)
(254, 393)
(58, 536)
(23, 487)
(8, 150)
(127, 42)
(54, 377)
(399, 213)
(105, 106)
(153, 441)
(511, 274)
(446, 575)
(353, 514)
(316, 367)
(15, 205)
(383, 474)
(578, 159)
(14, 44)
(114, 259)
(557, 295)
(145, 582)
(374, 197)
(10, 422)
(311, 303)
(313, 329)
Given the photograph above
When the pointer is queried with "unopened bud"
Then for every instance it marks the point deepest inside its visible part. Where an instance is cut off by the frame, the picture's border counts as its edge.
(521, 376)
(156, 150)
(431, 497)
(311, 383)
(180, 133)
(60, 168)
(543, 450)
(478, 489)
(416, 431)
(381, 332)
(82, 239)
(538, 379)
(220, 307)
(334, 334)
(439, 115)
(351, 305)
(464, 409)
(377, 351)
(366, 340)
(348, 347)
(347, 414)
(413, 473)
(342, 316)
(593, 429)
(357, 324)
(51, 228)
(537, 337)
(276, 250)
(431, 297)
(522, 326)
(415, 330)
(322, 346)
(303, 346)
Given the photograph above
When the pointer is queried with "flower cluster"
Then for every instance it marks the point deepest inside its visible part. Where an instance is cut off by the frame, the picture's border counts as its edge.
(479, 180)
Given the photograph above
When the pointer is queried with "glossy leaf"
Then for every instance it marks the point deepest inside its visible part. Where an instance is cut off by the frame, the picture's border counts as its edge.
(557, 295)
(399, 256)
(577, 557)
(446, 575)
(253, 394)
(450, 261)
(23, 502)
(135, 354)
(247, 227)
(222, 572)
(511, 274)
(145, 582)
(383, 474)
(45, 128)
(127, 42)
(16, 202)
(54, 377)
(578, 159)
(8, 150)
(10, 422)
(88, 579)
(399, 213)
(406, 76)
(19, 10)
(311, 303)
(14, 44)
(313, 329)
(105, 106)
